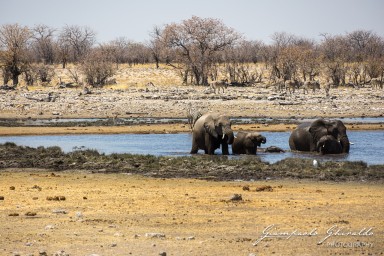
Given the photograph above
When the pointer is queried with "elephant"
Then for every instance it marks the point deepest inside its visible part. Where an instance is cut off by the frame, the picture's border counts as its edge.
(247, 142)
(307, 135)
(209, 132)
(329, 145)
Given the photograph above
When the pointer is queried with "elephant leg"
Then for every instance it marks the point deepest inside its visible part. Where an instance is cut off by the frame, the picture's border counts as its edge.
(210, 150)
(195, 148)
(209, 145)
(224, 149)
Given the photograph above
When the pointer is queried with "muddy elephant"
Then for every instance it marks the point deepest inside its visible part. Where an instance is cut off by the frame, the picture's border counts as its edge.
(210, 132)
(329, 145)
(306, 137)
(247, 143)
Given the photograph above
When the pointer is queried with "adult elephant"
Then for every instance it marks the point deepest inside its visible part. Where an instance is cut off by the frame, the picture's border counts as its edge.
(210, 132)
(247, 143)
(306, 136)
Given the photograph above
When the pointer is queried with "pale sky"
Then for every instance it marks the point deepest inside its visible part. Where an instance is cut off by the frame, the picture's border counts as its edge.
(254, 19)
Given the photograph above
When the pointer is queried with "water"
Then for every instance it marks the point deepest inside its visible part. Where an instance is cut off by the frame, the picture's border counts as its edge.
(367, 145)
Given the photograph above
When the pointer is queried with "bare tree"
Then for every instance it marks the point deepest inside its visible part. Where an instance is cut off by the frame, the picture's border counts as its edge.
(282, 56)
(197, 41)
(80, 39)
(63, 50)
(238, 62)
(97, 68)
(334, 50)
(137, 53)
(43, 43)
(309, 60)
(156, 45)
(39, 73)
(14, 40)
(120, 48)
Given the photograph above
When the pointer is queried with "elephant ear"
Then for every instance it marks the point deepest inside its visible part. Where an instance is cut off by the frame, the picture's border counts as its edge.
(317, 129)
(209, 126)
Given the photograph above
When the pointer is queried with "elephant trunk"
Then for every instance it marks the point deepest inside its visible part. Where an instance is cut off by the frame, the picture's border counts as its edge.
(344, 141)
(264, 140)
(320, 146)
(227, 131)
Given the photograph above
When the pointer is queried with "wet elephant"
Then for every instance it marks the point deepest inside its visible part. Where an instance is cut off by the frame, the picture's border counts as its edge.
(329, 145)
(210, 132)
(307, 135)
(247, 143)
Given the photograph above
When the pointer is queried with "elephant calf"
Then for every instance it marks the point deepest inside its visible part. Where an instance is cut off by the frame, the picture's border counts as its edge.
(247, 143)
(329, 145)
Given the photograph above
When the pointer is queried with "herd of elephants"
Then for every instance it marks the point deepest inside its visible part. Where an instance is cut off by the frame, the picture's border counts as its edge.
(212, 131)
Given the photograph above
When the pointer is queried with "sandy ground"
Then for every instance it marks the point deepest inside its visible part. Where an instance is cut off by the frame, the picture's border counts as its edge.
(120, 214)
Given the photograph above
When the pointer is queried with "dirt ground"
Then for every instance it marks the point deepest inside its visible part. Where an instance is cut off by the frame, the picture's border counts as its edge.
(83, 213)
(80, 213)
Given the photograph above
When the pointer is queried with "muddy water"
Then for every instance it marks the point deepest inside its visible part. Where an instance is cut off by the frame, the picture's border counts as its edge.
(368, 146)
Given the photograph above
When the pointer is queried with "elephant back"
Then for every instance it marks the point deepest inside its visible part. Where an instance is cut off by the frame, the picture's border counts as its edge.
(300, 138)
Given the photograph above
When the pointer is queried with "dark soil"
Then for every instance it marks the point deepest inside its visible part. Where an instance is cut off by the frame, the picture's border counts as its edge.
(197, 166)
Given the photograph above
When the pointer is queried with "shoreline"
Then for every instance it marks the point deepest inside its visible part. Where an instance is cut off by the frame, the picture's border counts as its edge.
(157, 129)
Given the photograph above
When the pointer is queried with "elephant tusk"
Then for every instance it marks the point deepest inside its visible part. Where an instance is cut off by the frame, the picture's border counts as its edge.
(351, 143)
(223, 136)
(235, 137)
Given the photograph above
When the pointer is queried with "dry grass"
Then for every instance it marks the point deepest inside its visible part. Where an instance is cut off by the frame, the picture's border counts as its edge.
(111, 215)
(140, 75)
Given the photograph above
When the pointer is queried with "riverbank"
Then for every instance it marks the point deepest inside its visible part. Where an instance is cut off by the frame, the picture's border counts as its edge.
(156, 129)
(120, 214)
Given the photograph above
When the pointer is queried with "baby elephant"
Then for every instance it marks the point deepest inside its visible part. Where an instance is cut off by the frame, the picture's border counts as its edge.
(247, 142)
(329, 145)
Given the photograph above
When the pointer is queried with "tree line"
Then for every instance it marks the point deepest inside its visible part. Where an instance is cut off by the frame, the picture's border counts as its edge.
(201, 49)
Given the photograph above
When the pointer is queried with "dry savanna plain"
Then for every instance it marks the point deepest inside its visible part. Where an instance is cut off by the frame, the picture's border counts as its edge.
(83, 212)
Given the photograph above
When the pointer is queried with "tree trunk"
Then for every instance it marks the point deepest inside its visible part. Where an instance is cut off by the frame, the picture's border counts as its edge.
(197, 75)
(15, 79)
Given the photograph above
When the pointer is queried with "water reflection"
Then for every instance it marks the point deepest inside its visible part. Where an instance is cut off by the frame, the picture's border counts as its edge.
(367, 145)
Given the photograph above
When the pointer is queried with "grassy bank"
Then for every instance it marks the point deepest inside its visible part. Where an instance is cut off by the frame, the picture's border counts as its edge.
(199, 166)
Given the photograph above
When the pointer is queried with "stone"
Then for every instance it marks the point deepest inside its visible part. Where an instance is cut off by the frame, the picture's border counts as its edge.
(236, 197)
(155, 235)
(59, 211)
